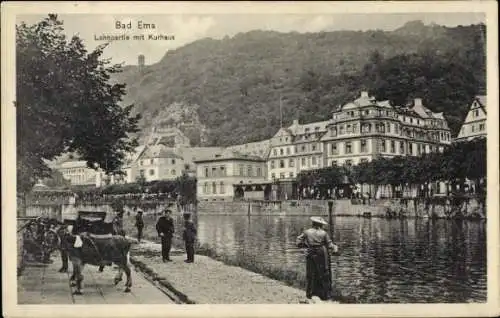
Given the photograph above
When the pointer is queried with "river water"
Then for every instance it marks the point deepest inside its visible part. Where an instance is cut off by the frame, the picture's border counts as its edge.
(381, 260)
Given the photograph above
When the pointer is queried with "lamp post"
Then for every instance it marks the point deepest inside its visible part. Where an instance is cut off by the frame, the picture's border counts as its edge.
(330, 216)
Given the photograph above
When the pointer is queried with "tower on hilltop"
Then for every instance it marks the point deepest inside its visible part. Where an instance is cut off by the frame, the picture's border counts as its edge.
(141, 59)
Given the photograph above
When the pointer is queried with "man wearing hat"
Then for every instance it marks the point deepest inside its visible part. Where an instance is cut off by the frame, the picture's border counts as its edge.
(139, 224)
(318, 269)
(189, 236)
(165, 229)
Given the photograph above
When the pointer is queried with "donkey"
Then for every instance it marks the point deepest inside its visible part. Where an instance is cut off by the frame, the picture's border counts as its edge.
(97, 250)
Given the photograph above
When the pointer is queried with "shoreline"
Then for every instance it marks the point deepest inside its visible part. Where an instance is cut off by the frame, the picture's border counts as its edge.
(211, 274)
(262, 284)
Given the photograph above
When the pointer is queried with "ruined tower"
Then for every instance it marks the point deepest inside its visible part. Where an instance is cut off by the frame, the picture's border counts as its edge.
(140, 61)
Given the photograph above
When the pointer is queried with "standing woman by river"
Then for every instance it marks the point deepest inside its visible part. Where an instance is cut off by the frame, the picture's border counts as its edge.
(318, 268)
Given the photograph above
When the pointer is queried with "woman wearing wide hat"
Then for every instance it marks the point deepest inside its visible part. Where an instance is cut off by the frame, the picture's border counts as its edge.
(318, 268)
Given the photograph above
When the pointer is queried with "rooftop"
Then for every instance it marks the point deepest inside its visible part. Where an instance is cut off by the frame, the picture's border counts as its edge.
(231, 155)
(191, 154)
(300, 129)
(74, 164)
(481, 99)
(159, 151)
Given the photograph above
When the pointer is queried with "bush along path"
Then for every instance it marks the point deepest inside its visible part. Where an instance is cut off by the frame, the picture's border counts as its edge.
(208, 281)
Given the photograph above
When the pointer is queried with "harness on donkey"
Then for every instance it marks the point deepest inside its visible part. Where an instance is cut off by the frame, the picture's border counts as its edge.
(92, 241)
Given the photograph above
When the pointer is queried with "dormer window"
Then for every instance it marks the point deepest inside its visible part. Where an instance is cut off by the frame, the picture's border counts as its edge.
(333, 131)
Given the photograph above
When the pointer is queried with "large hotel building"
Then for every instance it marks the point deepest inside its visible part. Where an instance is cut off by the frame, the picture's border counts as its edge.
(358, 131)
(365, 129)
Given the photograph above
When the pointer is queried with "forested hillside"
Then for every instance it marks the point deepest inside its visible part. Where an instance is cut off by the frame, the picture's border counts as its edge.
(237, 82)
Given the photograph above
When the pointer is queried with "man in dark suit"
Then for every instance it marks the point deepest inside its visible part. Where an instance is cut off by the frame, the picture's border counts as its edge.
(189, 236)
(139, 224)
(165, 229)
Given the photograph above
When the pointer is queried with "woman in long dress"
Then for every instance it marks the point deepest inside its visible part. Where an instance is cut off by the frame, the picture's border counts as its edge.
(317, 243)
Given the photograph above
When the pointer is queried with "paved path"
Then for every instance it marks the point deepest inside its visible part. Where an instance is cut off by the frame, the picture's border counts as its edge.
(45, 285)
(207, 281)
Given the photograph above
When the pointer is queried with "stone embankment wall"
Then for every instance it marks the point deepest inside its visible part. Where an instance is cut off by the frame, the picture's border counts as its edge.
(375, 208)
(70, 211)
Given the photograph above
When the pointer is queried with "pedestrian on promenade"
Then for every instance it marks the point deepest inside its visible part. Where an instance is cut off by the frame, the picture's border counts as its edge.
(317, 243)
(165, 229)
(65, 229)
(118, 223)
(189, 236)
(139, 224)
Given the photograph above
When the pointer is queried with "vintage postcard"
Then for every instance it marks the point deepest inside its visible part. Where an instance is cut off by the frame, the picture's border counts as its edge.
(295, 159)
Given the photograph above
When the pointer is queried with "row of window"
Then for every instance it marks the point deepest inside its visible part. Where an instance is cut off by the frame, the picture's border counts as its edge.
(296, 149)
(387, 146)
(146, 162)
(282, 175)
(387, 113)
(211, 188)
(477, 128)
(386, 127)
(73, 171)
(216, 171)
(221, 171)
(77, 179)
(349, 162)
(152, 172)
(304, 162)
(365, 112)
(307, 136)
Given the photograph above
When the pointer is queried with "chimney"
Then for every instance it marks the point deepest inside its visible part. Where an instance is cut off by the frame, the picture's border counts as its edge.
(417, 102)
(295, 122)
(364, 94)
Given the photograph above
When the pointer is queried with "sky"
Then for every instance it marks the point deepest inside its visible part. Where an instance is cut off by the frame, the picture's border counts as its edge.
(186, 28)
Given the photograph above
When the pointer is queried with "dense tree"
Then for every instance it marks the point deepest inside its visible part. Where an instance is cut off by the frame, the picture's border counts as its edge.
(65, 103)
(459, 162)
(446, 83)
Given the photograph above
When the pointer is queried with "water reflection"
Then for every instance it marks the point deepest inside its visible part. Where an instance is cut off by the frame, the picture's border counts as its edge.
(381, 260)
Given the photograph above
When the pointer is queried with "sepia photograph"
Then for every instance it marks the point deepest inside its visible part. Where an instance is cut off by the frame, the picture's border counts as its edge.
(187, 156)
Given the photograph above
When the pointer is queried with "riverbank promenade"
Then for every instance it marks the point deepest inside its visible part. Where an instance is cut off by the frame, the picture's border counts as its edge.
(207, 281)
(43, 285)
